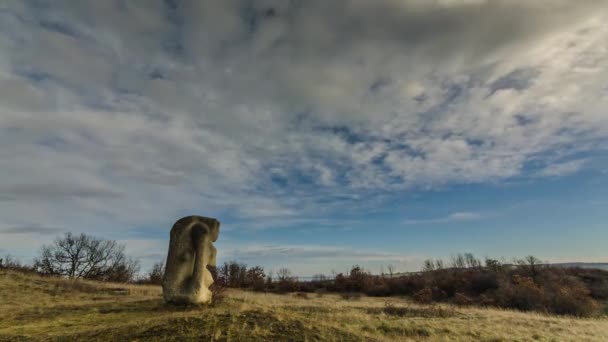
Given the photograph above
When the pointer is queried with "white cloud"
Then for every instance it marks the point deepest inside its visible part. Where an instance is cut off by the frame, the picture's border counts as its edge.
(453, 217)
(563, 169)
(130, 117)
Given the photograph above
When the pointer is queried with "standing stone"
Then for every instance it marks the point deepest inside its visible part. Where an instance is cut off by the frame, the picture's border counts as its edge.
(191, 249)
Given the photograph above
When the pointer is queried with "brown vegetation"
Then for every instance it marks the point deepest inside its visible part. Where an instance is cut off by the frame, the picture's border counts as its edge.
(526, 285)
(80, 310)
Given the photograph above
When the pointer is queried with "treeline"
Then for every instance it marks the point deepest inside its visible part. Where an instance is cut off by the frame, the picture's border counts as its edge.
(524, 284)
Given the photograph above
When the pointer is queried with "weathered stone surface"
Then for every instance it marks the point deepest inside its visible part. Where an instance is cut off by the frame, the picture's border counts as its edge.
(191, 249)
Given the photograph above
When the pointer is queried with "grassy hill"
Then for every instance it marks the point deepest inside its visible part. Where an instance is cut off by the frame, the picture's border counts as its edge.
(36, 308)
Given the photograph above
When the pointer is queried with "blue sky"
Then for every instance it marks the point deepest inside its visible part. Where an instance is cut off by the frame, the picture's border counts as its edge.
(321, 134)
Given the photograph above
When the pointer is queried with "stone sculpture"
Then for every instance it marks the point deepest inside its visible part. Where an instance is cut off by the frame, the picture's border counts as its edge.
(191, 250)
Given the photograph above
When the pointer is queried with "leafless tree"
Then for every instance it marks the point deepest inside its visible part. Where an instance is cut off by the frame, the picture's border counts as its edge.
(284, 274)
(319, 277)
(458, 261)
(83, 256)
(493, 265)
(391, 270)
(156, 273)
(255, 277)
(471, 261)
(11, 263)
(428, 265)
(233, 274)
(530, 263)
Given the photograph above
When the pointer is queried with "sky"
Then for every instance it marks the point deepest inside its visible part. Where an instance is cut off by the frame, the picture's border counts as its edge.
(322, 134)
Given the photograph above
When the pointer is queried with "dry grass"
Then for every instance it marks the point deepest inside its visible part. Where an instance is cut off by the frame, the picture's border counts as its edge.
(35, 308)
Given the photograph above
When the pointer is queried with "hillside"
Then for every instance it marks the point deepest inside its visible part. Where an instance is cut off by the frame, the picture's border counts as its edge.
(587, 265)
(35, 308)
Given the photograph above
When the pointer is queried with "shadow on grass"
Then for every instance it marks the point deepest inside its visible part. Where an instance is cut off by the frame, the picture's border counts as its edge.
(104, 308)
(250, 325)
(431, 311)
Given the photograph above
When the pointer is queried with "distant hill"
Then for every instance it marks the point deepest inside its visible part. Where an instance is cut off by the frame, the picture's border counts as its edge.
(593, 265)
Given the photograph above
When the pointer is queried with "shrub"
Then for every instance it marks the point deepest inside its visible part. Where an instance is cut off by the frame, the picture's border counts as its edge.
(527, 285)
(424, 296)
(379, 290)
(10, 263)
(570, 297)
(288, 285)
(482, 282)
(218, 292)
(462, 299)
(599, 290)
(156, 273)
(522, 294)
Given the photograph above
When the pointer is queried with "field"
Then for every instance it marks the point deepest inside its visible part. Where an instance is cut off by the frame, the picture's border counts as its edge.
(36, 308)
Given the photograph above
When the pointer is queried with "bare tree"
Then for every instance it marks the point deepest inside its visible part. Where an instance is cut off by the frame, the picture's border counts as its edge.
(156, 273)
(428, 265)
(233, 274)
(11, 263)
(284, 274)
(493, 264)
(255, 277)
(223, 274)
(319, 277)
(458, 261)
(83, 256)
(531, 263)
(471, 261)
(391, 270)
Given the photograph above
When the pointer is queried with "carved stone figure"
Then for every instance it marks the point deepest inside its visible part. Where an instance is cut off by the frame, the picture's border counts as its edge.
(191, 249)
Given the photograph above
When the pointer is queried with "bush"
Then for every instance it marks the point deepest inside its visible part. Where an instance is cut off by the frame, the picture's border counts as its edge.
(462, 299)
(287, 285)
(482, 282)
(570, 297)
(599, 290)
(424, 296)
(528, 285)
(10, 263)
(155, 275)
(379, 290)
(522, 294)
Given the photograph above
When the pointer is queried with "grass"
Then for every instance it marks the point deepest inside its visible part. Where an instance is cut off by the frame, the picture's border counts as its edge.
(35, 308)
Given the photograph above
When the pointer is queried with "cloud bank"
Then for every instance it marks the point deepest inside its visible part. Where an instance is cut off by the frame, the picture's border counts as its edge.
(131, 113)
